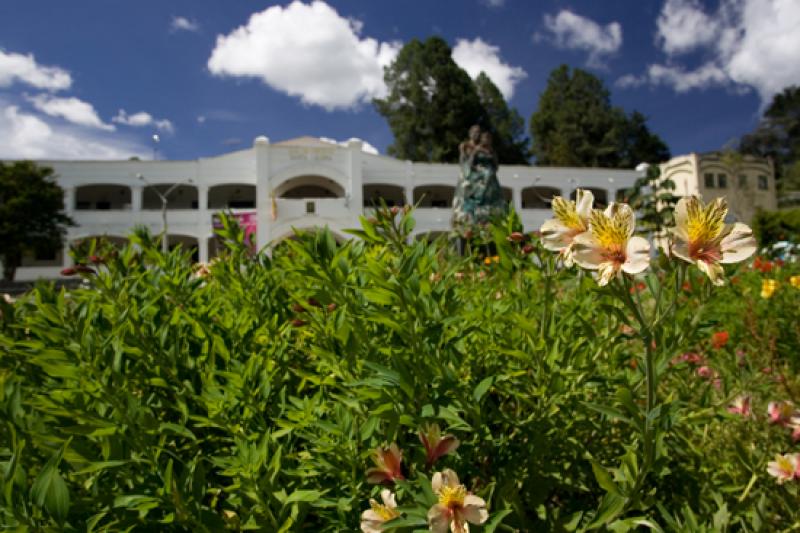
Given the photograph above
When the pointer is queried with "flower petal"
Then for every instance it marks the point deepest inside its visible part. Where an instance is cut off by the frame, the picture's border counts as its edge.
(439, 518)
(388, 499)
(474, 509)
(681, 249)
(637, 255)
(606, 272)
(583, 203)
(371, 522)
(587, 252)
(682, 219)
(555, 235)
(738, 244)
(437, 482)
(713, 270)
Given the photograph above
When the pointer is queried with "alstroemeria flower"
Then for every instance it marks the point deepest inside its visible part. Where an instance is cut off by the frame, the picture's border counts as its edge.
(387, 465)
(703, 238)
(571, 219)
(795, 425)
(373, 518)
(609, 246)
(740, 406)
(435, 444)
(780, 412)
(456, 508)
(784, 467)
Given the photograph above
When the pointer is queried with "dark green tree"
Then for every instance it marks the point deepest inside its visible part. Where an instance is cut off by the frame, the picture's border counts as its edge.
(505, 123)
(576, 125)
(639, 144)
(778, 136)
(431, 102)
(31, 213)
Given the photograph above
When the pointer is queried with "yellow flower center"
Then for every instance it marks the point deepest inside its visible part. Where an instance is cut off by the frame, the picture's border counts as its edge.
(785, 465)
(705, 224)
(452, 497)
(385, 512)
(566, 213)
(612, 232)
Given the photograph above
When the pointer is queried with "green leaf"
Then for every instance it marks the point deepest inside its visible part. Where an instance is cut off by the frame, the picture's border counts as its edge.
(483, 387)
(604, 478)
(49, 490)
(303, 496)
(494, 520)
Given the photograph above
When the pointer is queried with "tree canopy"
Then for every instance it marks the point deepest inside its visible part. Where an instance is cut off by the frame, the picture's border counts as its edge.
(778, 136)
(31, 213)
(576, 125)
(432, 102)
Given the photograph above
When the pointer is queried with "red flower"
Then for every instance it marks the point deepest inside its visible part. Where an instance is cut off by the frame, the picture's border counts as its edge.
(436, 445)
(527, 249)
(298, 322)
(69, 271)
(516, 237)
(719, 339)
(387, 465)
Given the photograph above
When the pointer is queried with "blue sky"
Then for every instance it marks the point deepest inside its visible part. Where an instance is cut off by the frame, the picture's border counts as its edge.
(97, 78)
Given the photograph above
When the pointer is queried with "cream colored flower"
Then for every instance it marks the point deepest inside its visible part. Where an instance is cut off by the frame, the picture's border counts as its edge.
(373, 518)
(702, 237)
(571, 219)
(609, 246)
(784, 467)
(456, 508)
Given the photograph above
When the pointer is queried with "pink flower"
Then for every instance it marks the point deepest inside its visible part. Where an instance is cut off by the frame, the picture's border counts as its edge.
(780, 412)
(387, 465)
(435, 444)
(373, 518)
(740, 406)
(784, 467)
(705, 372)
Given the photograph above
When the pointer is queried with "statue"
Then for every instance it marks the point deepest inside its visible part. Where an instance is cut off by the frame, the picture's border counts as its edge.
(478, 197)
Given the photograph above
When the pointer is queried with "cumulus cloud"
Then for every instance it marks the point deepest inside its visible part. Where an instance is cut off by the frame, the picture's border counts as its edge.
(19, 68)
(683, 26)
(70, 109)
(747, 44)
(27, 136)
(478, 56)
(308, 51)
(142, 119)
(575, 32)
(365, 146)
(184, 24)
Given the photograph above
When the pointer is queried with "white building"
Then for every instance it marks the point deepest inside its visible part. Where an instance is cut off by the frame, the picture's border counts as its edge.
(313, 183)
(747, 182)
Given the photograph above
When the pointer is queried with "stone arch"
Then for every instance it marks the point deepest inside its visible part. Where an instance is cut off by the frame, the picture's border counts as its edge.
(318, 175)
(102, 196)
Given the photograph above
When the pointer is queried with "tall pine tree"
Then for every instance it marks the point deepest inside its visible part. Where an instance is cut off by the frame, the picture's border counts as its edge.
(576, 125)
(506, 124)
(431, 102)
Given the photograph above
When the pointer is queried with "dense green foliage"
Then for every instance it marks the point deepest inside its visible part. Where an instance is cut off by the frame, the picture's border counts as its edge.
(576, 125)
(432, 102)
(654, 200)
(251, 396)
(778, 136)
(774, 226)
(31, 213)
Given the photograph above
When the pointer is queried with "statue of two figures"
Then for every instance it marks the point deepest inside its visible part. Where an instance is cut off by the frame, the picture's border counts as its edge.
(478, 197)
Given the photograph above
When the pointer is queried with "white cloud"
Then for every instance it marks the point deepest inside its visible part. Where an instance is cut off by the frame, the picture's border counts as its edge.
(684, 26)
(70, 109)
(749, 44)
(580, 33)
(141, 119)
(308, 51)
(184, 24)
(27, 136)
(365, 146)
(201, 119)
(478, 56)
(494, 3)
(18, 68)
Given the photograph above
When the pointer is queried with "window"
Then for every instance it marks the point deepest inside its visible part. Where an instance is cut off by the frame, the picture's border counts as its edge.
(709, 181)
(103, 206)
(722, 181)
(311, 208)
(763, 183)
(742, 181)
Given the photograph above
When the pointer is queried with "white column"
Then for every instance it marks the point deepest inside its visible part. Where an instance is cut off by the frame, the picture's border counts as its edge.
(409, 183)
(263, 190)
(516, 196)
(69, 200)
(136, 197)
(355, 187)
(202, 198)
(66, 259)
(202, 248)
